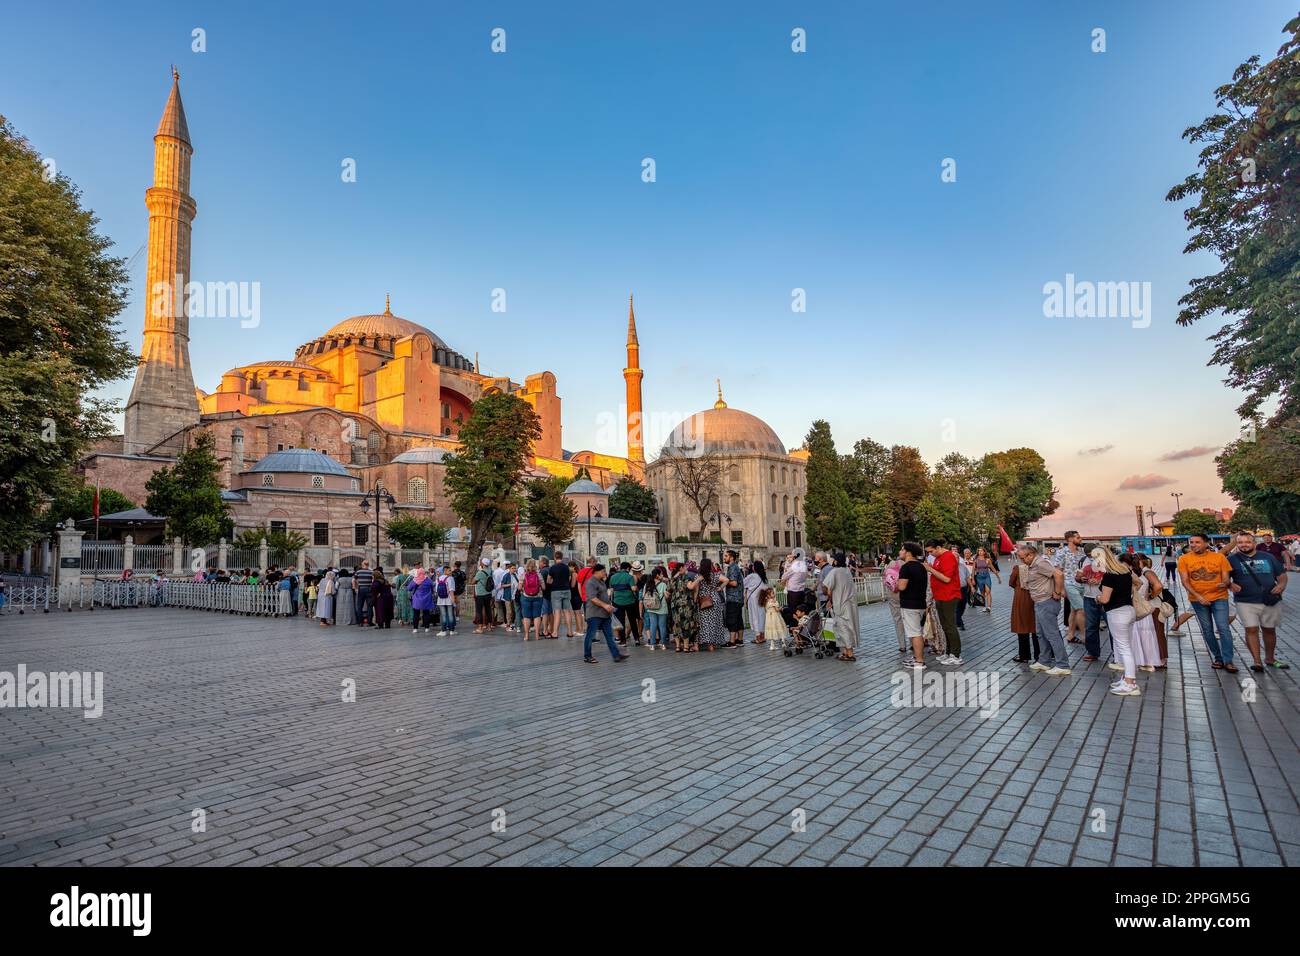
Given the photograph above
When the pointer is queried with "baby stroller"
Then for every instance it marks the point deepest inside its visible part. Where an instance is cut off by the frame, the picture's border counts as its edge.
(808, 634)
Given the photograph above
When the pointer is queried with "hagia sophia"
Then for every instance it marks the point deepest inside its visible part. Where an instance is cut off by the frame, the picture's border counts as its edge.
(379, 398)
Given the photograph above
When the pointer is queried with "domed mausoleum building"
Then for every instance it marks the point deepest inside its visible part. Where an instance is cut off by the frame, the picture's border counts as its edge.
(760, 486)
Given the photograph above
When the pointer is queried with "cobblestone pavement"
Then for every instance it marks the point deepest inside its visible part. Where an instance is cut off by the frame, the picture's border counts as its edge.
(243, 719)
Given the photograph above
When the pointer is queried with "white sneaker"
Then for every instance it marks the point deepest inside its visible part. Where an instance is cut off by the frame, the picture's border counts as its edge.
(1127, 690)
(1035, 666)
(1058, 672)
(954, 661)
(988, 610)
(416, 631)
(1115, 666)
(943, 659)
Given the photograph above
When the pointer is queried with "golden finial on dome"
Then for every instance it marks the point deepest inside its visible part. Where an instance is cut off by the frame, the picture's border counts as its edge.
(176, 74)
(719, 403)
(388, 309)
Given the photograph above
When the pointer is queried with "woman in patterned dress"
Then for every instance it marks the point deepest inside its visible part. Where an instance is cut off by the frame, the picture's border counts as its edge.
(403, 596)
(713, 626)
(683, 610)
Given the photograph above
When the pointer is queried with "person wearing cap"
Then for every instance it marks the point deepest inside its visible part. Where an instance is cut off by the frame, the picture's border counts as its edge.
(599, 609)
(483, 597)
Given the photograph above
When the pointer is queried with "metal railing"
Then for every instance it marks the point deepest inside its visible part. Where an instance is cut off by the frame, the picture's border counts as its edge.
(252, 599)
(101, 556)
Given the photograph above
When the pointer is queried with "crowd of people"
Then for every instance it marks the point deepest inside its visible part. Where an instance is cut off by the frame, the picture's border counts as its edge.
(1074, 593)
(1061, 596)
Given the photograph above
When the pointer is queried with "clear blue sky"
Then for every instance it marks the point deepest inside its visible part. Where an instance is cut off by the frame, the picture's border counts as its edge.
(775, 171)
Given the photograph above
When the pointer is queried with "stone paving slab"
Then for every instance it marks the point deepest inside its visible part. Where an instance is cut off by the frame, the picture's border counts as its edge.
(243, 718)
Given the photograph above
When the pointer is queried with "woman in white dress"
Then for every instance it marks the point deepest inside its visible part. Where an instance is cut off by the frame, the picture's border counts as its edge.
(1146, 647)
(754, 583)
(325, 599)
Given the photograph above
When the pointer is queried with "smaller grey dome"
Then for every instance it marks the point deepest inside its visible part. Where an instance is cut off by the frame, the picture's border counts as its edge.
(301, 460)
(585, 486)
(423, 455)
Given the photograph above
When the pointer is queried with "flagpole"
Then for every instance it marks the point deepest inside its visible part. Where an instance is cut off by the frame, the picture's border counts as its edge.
(97, 526)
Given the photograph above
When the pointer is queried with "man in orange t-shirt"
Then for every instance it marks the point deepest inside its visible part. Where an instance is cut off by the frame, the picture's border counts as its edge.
(1205, 575)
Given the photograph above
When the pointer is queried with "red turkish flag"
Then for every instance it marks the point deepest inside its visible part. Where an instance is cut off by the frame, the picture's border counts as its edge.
(1005, 544)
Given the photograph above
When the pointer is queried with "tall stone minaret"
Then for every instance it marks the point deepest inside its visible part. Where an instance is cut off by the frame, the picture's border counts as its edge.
(632, 375)
(162, 400)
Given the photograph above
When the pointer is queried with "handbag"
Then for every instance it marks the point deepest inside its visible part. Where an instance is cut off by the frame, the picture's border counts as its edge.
(705, 599)
(1141, 606)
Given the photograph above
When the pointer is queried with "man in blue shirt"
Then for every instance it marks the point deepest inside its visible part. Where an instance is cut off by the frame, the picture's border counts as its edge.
(1258, 580)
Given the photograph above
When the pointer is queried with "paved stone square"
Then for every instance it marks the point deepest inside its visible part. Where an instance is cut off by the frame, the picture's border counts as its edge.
(243, 718)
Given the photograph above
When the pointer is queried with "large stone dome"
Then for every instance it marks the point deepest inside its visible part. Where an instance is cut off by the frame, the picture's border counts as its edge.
(383, 325)
(380, 331)
(725, 431)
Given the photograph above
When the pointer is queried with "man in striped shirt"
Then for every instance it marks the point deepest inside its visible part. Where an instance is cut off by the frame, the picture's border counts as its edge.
(362, 578)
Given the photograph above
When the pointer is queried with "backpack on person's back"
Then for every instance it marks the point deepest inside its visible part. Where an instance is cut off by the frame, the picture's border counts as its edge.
(532, 584)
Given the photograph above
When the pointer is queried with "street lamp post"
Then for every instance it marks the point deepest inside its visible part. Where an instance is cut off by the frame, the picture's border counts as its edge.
(720, 517)
(382, 498)
(591, 512)
(795, 525)
(1178, 501)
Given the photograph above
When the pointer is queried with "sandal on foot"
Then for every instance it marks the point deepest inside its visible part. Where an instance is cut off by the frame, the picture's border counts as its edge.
(1230, 668)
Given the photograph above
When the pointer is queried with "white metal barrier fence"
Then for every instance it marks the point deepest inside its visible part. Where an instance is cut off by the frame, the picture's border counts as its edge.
(252, 599)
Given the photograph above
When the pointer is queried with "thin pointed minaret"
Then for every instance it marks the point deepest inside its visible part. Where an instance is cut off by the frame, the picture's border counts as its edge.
(162, 400)
(633, 375)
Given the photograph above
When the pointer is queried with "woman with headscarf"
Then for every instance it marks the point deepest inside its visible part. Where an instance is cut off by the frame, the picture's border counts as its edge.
(381, 597)
(402, 596)
(685, 614)
(753, 584)
(325, 599)
(345, 602)
(420, 587)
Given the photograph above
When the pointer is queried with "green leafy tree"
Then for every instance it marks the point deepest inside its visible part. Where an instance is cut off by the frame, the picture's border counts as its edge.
(1247, 518)
(961, 485)
(865, 469)
(1191, 521)
(1264, 473)
(484, 477)
(905, 484)
(1018, 489)
(935, 519)
(873, 522)
(827, 508)
(410, 531)
(549, 513)
(276, 541)
(632, 501)
(188, 494)
(78, 503)
(60, 295)
(1246, 212)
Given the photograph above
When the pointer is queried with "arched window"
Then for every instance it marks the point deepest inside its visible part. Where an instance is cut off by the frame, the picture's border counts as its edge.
(417, 491)
(785, 475)
(302, 382)
(796, 504)
(372, 447)
(602, 548)
(318, 481)
(773, 500)
(733, 473)
(622, 547)
(640, 547)
(785, 504)
(735, 506)
(771, 472)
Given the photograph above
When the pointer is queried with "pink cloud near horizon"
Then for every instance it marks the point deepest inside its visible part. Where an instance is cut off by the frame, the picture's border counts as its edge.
(1143, 482)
